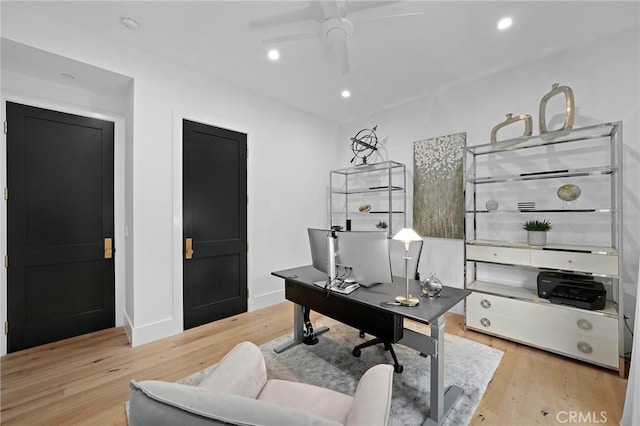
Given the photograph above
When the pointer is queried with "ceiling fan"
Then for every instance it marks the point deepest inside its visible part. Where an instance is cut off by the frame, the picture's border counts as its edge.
(334, 30)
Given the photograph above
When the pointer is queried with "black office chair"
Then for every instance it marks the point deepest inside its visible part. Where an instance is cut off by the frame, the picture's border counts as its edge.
(397, 253)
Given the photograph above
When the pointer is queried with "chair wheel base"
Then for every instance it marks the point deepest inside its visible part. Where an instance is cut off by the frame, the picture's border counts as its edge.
(356, 353)
(398, 368)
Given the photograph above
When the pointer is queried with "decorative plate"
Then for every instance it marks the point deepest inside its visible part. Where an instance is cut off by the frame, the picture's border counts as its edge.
(491, 205)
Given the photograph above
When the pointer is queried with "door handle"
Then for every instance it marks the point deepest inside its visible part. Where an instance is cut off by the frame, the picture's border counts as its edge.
(188, 248)
(108, 248)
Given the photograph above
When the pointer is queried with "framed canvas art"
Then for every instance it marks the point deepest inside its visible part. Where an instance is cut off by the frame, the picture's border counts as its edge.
(438, 187)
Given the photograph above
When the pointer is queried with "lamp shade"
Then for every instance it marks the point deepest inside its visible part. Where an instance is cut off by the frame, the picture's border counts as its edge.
(407, 235)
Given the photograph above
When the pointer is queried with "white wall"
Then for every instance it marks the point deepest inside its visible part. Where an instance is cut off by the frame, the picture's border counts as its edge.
(287, 167)
(604, 78)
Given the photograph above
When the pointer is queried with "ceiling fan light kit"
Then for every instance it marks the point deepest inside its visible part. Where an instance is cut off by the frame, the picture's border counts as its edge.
(336, 30)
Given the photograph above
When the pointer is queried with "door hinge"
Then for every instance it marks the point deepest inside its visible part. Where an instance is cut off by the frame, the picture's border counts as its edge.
(247, 246)
(247, 293)
(6, 260)
(5, 127)
(6, 327)
(6, 193)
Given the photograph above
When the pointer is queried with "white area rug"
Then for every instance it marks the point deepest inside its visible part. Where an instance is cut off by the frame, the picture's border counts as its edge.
(330, 364)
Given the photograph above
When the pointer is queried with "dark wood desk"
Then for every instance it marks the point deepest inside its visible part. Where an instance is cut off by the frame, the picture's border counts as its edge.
(364, 309)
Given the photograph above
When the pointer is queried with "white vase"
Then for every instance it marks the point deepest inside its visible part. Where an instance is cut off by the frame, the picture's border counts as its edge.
(537, 238)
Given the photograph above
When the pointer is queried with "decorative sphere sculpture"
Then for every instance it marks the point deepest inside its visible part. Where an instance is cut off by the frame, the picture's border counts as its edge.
(431, 287)
(364, 143)
(569, 192)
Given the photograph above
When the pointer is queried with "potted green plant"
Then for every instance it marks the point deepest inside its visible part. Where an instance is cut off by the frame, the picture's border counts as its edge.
(537, 231)
(382, 225)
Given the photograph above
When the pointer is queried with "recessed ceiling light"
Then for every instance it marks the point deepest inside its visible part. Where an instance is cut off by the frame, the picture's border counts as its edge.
(130, 23)
(274, 55)
(346, 94)
(67, 76)
(505, 23)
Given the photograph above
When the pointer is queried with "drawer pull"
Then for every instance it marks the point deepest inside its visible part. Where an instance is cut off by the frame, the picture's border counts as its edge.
(485, 322)
(584, 324)
(584, 347)
(569, 261)
(485, 303)
(495, 254)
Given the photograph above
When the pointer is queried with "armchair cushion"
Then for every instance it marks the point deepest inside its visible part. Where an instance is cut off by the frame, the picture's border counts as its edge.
(308, 398)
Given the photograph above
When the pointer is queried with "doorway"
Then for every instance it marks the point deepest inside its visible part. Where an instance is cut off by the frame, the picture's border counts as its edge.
(214, 223)
(60, 225)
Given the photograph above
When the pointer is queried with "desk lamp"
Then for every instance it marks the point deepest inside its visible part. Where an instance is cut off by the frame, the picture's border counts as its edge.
(407, 235)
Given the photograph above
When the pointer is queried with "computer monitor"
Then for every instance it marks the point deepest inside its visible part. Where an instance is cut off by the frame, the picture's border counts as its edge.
(367, 254)
(319, 249)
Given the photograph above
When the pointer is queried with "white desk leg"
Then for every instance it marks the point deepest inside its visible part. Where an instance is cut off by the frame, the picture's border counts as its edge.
(441, 400)
(298, 330)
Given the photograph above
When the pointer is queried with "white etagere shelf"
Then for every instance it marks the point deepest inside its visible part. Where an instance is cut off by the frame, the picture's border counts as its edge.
(508, 306)
(381, 187)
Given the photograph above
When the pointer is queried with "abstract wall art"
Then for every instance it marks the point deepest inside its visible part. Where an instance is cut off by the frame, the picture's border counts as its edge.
(438, 187)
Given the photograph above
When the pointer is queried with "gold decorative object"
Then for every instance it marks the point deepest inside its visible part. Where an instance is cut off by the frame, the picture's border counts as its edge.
(570, 108)
(528, 125)
(365, 208)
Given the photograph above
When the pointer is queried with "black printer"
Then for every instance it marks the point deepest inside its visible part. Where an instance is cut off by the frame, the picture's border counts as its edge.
(574, 290)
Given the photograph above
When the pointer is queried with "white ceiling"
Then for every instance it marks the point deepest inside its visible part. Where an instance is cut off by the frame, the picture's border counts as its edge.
(391, 60)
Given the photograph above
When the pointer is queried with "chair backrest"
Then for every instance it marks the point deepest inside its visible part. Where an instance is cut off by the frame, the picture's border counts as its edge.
(397, 253)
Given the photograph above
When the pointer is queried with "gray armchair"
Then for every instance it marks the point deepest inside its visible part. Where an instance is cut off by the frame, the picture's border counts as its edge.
(237, 392)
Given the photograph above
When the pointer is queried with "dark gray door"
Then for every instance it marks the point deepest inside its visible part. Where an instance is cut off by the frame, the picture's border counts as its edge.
(60, 224)
(215, 223)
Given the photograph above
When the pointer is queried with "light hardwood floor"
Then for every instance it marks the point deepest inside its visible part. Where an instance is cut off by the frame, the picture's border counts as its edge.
(84, 380)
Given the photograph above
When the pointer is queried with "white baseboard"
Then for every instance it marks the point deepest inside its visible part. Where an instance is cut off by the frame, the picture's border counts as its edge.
(128, 327)
(266, 299)
(154, 331)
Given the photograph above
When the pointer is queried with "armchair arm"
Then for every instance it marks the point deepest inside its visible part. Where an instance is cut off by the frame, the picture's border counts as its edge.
(241, 372)
(372, 400)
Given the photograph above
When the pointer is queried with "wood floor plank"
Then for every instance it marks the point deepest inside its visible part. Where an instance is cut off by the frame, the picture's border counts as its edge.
(84, 380)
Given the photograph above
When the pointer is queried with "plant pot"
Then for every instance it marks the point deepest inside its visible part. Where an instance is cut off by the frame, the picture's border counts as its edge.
(537, 238)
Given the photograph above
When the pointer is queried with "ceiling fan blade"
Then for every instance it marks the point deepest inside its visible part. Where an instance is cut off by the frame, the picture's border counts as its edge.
(357, 6)
(331, 9)
(312, 12)
(342, 56)
(290, 37)
(399, 15)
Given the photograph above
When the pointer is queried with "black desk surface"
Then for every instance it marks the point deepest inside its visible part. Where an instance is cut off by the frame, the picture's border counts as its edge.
(426, 312)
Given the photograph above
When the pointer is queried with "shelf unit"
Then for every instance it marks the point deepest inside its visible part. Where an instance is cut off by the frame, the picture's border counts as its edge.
(380, 186)
(501, 270)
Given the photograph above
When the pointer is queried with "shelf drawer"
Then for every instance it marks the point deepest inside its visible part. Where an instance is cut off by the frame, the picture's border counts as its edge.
(577, 333)
(570, 261)
(507, 255)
